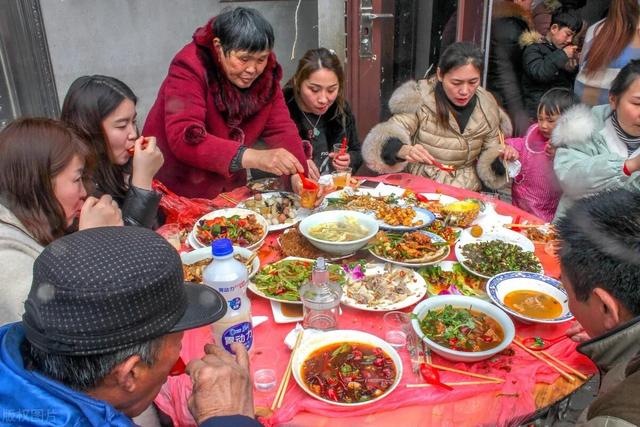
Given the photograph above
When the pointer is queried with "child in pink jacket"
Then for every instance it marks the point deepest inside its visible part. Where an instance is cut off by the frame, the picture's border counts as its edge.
(535, 189)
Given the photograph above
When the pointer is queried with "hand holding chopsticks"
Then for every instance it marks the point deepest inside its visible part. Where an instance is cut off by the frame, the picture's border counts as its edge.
(284, 383)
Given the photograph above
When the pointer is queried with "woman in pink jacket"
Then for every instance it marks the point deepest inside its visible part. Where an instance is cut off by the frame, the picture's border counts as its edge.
(221, 95)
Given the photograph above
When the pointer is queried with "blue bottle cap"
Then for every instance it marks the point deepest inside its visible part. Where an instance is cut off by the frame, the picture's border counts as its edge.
(221, 247)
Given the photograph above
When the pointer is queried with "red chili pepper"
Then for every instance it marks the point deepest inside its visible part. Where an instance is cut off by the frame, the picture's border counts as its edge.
(421, 198)
(132, 150)
(431, 376)
(332, 395)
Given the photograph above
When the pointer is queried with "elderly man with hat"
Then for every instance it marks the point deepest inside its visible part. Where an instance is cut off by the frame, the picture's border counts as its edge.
(102, 330)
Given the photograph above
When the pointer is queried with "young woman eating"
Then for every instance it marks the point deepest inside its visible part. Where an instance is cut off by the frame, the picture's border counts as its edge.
(446, 129)
(102, 110)
(42, 197)
(315, 97)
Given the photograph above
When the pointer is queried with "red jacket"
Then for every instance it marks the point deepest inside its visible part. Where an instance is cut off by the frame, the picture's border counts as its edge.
(200, 119)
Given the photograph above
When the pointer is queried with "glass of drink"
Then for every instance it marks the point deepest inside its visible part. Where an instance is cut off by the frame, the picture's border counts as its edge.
(308, 197)
(263, 362)
(397, 327)
(341, 178)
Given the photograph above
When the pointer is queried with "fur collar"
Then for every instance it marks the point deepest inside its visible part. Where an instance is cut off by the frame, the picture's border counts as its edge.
(530, 37)
(235, 104)
(575, 126)
(507, 9)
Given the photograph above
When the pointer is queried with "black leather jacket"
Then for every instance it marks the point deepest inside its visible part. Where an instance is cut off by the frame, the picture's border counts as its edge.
(140, 207)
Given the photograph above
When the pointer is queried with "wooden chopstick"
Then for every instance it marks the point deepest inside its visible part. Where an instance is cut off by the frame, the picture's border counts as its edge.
(567, 376)
(249, 260)
(228, 199)
(282, 389)
(470, 374)
(524, 225)
(452, 384)
(577, 373)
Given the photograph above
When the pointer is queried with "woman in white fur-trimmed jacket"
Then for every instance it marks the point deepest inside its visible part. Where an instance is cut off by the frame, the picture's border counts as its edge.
(599, 148)
(451, 120)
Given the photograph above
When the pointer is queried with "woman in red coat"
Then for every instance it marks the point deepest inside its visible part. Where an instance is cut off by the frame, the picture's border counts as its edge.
(221, 95)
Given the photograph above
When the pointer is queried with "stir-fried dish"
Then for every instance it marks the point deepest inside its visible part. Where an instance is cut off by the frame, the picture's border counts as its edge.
(193, 272)
(462, 329)
(414, 247)
(386, 208)
(280, 208)
(346, 229)
(349, 372)
(398, 216)
(447, 233)
(243, 231)
(495, 256)
(455, 282)
(379, 290)
(533, 304)
(283, 279)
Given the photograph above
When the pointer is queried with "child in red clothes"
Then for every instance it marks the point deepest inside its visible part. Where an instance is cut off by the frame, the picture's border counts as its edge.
(535, 189)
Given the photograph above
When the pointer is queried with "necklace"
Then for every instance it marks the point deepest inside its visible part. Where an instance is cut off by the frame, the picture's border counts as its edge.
(315, 131)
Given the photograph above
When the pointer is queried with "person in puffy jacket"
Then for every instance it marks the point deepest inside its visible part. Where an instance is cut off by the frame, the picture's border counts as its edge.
(102, 110)
(449, 120)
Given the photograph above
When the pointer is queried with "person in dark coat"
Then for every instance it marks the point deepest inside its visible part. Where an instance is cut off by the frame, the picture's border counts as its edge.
(221, 95)
(510, 19)
(315, 98)
(549, 61)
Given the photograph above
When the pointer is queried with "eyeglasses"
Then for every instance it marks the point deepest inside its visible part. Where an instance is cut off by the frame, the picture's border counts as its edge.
(178, 368)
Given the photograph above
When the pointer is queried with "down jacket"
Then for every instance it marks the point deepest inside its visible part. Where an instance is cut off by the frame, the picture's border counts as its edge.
(590, 155)
(413, 106)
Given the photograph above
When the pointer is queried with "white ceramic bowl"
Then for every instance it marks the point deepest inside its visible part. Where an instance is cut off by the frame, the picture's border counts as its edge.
(502, 284)
(317, 341)
(438, 302)
(204, 253)
(338, 248)
(231, 212)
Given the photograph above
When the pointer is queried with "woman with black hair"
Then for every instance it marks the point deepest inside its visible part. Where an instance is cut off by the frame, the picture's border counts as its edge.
(221, 95)
(449, 120)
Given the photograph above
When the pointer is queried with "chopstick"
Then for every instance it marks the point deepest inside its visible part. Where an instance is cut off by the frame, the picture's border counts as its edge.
(452, 384)
(470, 374)
(249, 260)
(577, 373)
(282, 389)
(228, 199)
(524, 225)
(567, 376)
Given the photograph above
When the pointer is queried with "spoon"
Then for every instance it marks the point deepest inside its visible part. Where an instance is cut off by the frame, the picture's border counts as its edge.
(539, 343)
(307, 183)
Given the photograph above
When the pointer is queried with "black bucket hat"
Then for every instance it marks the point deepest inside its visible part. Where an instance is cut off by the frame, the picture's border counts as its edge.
(103, 289)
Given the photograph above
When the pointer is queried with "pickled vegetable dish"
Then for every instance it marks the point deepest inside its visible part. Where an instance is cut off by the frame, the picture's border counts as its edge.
(462, 329)
(283, 279)
(495, 256)
(349, 372)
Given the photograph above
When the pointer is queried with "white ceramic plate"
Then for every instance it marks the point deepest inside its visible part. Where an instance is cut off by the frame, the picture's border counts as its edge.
(448, 266)
(434, 238)
(231, 212)
(415, 283)
(253, 288)
(502, 284)
(300, 212)
(500, 233)
(329, 257)
(203, 253)
(443, 198)
(280, 316)
(317, 341)
(424, 216)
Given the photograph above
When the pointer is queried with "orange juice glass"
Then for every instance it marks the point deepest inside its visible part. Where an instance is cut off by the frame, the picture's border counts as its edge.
(341, 178)
(308, 197)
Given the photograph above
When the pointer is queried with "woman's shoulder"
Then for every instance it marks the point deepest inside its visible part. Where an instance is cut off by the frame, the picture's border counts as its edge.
(579, 124)
(410, 96)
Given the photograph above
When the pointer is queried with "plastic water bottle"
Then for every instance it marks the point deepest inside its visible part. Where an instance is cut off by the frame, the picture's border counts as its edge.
(229, 277)
(320, 299)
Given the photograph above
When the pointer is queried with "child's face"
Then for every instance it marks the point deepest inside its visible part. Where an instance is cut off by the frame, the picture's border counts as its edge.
(560, 37)
(547, 122)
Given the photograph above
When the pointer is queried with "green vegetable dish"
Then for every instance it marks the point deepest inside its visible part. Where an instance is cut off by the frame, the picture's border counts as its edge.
(282, 279)
(495, 256)
(461, 329)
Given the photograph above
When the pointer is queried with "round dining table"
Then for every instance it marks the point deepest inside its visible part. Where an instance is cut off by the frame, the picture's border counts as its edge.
(530, 384)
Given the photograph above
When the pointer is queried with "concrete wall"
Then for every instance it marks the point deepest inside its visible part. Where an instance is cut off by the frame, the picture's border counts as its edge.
(134, 40)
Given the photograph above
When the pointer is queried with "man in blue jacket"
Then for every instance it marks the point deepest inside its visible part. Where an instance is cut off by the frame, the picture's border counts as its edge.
(102, 330)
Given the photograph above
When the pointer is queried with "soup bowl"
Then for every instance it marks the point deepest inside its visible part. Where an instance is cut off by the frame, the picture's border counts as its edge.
(338, 247)
(474, 304)
(499, 286)
(316, 342)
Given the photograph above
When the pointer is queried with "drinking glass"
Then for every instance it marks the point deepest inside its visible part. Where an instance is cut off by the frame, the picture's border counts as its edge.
(397, 327)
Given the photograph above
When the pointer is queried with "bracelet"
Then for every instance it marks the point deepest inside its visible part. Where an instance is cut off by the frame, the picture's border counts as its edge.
(625, 170)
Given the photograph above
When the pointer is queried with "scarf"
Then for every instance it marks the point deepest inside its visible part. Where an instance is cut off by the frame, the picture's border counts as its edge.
(632, 142)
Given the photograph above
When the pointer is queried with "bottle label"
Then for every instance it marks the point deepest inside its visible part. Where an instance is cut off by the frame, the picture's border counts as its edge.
(234, 288)
(235, 303)
(242, 333)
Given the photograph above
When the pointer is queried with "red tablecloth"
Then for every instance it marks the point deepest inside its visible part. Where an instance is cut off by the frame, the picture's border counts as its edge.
(499, 404)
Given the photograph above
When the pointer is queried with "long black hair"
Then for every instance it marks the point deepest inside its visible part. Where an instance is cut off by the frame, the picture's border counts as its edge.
(88, 102)
(625, 78)
(454, 56)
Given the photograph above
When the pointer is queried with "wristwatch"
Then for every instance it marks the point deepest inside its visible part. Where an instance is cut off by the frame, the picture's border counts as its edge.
(236, 162)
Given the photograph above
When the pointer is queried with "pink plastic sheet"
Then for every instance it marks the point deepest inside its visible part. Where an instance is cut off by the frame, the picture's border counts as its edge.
(500, 404)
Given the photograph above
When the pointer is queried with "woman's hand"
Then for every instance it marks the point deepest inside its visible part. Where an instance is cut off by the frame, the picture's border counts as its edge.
(633, 164)
(550, 150)
(296, 185)
(509, 153)
(340, 161)
(415, 154)
(147, 161)
(314, 173)
(277, 161)
(101, 212)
